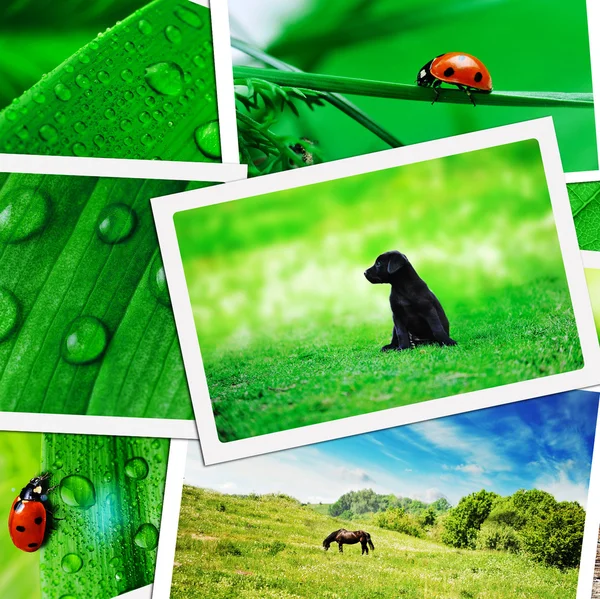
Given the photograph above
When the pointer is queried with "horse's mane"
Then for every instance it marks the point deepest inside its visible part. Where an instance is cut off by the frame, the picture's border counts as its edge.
(332, 536)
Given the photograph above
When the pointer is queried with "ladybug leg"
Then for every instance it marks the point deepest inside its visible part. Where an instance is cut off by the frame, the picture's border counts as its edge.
(468, 92)
(435, 85)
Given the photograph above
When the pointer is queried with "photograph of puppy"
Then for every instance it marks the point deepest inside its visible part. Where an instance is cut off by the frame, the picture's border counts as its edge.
(418, 316)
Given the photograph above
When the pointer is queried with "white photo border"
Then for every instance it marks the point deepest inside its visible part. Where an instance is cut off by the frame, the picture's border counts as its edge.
(169, 524)
(215, 451)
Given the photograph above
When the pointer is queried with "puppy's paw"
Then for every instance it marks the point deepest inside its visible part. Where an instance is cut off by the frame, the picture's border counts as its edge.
(389, 347)
(450, 342)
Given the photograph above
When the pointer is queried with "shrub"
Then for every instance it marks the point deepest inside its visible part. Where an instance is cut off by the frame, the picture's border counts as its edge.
(499, 537)
(398, 520)
(555, 538)
(465, 520)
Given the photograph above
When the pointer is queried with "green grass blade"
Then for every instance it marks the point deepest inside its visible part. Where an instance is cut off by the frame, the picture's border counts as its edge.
(98, 549)
(139, 90)
(401, 91)
(336, 100)
(67, 271)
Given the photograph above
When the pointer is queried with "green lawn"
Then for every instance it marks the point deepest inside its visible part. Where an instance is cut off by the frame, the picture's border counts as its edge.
(270, 547)
(329, 371)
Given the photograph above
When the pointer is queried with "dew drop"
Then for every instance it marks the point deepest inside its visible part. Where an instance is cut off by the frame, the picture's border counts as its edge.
(157, 281)
(83, 81)
(99, 140)
(127, 75)
(146, 537)
(103, 76)
(199, 61)
(62, 92)
(189, 17)
(23, 133)
(137, 468)
(39, 98)
(126, 124)
(78, 492)
(23, 213)
(85, 340)
(71, 563)
(57, 465)
(129, 46)
(119, 576)
(9, 313)
(165, 78)
(145, 27)
(48, 133)
(110, 114)
(144, 117)
(60, 117)
(115, 562)
(116, 223)
(173, 34)
(80, 126)
(207, 139)
(79, 149)
(147, 139)
(83, 58)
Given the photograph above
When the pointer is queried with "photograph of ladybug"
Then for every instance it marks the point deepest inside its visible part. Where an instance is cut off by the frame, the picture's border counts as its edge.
(28, 514)
(465, 71)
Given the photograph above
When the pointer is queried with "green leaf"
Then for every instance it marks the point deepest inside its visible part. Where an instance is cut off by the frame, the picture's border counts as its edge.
(585, 205)
(387, 89)
(139, 90)
(59, 263)
(109, 501)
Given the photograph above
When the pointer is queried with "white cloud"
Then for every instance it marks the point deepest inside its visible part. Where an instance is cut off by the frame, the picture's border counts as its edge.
(355, 474)
(473, 469)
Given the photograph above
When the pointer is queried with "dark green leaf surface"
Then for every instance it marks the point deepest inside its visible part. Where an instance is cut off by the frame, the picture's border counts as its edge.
(109, 498)
(142, 89)
(65, 271)
(585, 204)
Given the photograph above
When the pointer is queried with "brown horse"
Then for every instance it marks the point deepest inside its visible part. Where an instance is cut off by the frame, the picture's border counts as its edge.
(343, 536)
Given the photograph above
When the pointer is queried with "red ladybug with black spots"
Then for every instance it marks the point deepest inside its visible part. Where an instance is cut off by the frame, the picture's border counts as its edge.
(465, 71)
(27, 518)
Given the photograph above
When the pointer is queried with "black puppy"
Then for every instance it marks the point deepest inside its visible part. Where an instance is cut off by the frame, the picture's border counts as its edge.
(418, 315)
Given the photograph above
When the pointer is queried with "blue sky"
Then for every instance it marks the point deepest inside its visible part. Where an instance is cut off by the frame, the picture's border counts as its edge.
(544, 443)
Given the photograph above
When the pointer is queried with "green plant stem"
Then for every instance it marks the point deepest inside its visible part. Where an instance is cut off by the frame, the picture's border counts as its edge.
(336, 100)
(401, 91)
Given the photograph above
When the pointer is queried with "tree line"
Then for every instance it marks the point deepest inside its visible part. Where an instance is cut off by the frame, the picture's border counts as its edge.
(529, 522)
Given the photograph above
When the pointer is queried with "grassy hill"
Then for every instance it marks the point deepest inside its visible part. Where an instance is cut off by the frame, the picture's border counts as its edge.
(267, 547)
(320, 508)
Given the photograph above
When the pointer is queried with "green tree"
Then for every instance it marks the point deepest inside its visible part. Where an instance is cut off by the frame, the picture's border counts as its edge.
(465, 520)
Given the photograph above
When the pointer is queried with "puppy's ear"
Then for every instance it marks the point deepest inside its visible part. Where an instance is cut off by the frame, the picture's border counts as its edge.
(396, 262)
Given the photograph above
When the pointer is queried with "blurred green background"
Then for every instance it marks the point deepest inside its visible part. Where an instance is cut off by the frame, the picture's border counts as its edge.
(593, 280)
(20, 457)
(290, 329)
(37, 35)
(527, 45)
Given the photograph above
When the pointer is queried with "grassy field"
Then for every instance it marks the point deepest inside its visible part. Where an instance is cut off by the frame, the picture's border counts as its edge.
(270, 547)
(336, 371)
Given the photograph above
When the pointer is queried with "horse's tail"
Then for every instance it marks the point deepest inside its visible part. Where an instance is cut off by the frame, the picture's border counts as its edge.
(370, 542)
(331, 538)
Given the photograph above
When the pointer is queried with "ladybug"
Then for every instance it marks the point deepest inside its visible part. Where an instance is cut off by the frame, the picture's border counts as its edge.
(463, 70)
(27, 518)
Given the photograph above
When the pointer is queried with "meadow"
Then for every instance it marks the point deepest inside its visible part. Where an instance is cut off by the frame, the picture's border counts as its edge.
(270, 547)
(290, 330)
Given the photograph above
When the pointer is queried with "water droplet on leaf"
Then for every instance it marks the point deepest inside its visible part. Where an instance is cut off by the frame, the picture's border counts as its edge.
(116, 223)
(137, 468)
(62, 92)
(145, 27)
(189, 17)
(71, 563)
(207, 139)
(48, 133)
(85, 340)
(23, 213)
(157, 281)
(173, 34)
(9, 313)
(165, 78)
(146, 537)
(78, 492)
